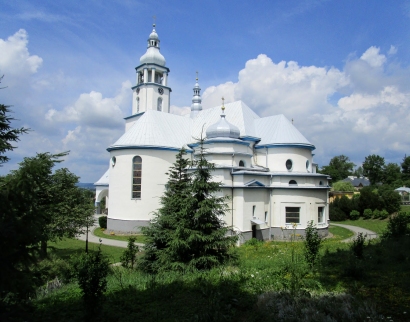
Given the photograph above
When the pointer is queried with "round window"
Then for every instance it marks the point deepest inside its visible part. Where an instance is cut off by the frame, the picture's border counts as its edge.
(289, 164)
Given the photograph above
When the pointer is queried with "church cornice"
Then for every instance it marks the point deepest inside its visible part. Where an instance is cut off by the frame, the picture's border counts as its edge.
(152, 64)
(145, 147)
(135, 115)
(146, 84)
(286, 145)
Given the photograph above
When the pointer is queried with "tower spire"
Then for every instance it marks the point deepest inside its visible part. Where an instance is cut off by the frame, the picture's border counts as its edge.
(196, 106)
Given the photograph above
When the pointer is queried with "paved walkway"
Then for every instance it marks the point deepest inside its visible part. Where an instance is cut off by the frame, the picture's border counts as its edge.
(370, 234)
(105, 241)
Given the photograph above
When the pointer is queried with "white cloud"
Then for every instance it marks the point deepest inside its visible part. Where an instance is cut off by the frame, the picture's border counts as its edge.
(392, 50)
(212, 96)
(180, 110)
(15, 59)
(91, 109)
(373, 58)
(371, 113)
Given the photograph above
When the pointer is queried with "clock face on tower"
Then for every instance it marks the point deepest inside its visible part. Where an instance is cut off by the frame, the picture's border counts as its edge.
(160, 90)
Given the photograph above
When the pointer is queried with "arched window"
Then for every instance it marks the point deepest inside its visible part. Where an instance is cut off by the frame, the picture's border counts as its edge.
(307, 165)
(293, 182)
(136, 177)
(159, 104)
(320, 183)
(241, 163)
(289, 164)
(138, 104)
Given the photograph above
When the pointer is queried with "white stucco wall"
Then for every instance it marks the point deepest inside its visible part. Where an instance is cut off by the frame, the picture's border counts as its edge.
(308, 200)
(275, 158)
(155, 163)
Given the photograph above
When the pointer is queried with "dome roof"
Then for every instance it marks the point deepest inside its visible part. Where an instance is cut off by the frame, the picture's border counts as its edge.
(153, 56)
(222, 129)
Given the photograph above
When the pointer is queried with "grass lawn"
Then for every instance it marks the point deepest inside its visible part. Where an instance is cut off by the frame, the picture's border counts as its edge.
(97, 232)
(405, 208)
(268, 280)
(340, 233)
(375, 225)
(67, 247)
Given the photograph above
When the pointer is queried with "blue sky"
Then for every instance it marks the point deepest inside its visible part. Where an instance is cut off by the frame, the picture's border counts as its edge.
(340, 69)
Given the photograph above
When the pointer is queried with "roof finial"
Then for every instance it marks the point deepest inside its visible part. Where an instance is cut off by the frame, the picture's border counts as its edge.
(154, 18)
(196, 75)
(223, 106)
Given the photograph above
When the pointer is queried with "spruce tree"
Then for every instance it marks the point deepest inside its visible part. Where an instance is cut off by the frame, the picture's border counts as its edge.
(160, 233)
(207, 240)
(188, 231)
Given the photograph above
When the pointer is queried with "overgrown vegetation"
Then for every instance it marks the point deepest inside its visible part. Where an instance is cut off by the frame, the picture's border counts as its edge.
(129, 256)
(312, 243)
(91, 273)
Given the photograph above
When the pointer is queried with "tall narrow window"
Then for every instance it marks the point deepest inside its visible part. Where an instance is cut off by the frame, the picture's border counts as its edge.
(138, 104)
(136, 177)
(159, 104)
(266, 216)
(320, 214)
(253, 211)
(292, 215)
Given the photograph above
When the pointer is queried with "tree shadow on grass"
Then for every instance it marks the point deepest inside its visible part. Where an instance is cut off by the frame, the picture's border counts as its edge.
(198, 300)
(381, 276)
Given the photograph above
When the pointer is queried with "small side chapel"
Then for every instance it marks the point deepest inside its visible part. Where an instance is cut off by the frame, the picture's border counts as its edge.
(265, 164)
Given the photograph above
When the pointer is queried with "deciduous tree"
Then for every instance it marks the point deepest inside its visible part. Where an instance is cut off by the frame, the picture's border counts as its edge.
(339, 168)
(373, 168)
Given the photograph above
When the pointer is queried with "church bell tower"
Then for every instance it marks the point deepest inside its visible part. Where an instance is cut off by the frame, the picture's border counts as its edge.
(151, 91)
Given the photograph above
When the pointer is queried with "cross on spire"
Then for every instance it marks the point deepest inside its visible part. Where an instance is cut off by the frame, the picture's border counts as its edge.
(154, 18)
(196, 75)
(223, 106)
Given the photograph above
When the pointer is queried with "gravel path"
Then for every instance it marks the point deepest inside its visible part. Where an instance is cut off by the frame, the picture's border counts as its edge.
(370, 234)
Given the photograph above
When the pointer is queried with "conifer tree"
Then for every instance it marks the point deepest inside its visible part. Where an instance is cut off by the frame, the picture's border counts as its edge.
(206, 234)
(188, 231)
(157, 252)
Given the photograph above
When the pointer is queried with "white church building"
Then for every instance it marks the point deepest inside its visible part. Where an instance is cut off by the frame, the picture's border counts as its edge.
(265, 164)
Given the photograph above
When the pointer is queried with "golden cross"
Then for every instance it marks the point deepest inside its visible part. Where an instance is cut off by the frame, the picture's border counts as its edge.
(223, 106)
(196, 75)
(154, 17)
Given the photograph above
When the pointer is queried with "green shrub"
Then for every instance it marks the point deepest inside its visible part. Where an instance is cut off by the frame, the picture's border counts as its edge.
(383, 214)
(312, 243)
(376, 213)
(368, 213)
(335, 214)
(358, 245)
(92, 270)
(354, 215)
(103, 222)
(397, 226)
(129, 256)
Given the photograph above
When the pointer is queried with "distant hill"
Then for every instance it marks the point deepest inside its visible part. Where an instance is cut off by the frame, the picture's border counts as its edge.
(89, 186)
